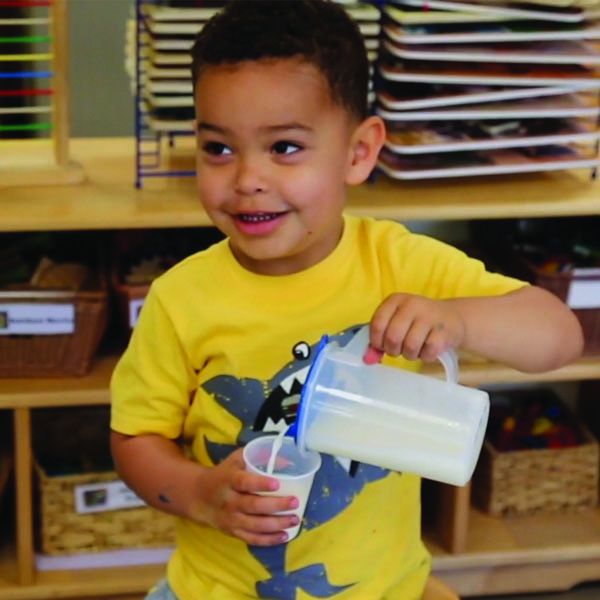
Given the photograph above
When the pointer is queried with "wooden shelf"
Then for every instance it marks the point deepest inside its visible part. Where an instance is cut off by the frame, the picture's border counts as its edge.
(500, 556)
(85, 583)
(108, 200)
(503, 556)
(93, 388)
(522, 554)
(60, 391)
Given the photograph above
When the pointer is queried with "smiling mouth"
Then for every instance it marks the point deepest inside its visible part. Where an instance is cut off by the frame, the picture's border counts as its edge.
(258, 217)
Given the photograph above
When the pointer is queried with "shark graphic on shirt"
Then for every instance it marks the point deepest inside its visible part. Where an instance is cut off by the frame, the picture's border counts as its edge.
(268, 407)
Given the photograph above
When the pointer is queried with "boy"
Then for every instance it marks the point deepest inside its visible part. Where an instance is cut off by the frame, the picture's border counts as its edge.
(225, 338)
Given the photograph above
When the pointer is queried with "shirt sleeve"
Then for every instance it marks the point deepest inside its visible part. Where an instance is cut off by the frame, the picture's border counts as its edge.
(440, 270)
(153, 381)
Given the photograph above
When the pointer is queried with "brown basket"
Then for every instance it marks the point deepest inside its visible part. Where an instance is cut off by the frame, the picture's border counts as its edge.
(534, 481)
(125, 295)
(55, 355)
(559, 284)
(64, 531)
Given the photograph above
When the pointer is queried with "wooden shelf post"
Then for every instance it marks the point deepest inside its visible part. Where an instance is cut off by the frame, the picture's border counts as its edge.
(24, 504)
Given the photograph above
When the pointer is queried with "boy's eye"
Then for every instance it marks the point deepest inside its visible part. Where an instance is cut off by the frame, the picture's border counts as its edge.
(285, 147)
(216, 149)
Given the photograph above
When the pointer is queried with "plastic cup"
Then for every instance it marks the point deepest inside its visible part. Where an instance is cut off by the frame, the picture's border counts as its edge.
(294, 470)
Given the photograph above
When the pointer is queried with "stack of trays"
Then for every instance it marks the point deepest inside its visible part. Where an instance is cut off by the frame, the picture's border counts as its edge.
(368, 18)
(480, 87)
(165, 79)
(165, 85)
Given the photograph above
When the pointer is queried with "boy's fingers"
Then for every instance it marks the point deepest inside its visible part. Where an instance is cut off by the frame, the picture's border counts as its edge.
(372, 356)
(258, 539)
(415, 338)
(261, 524)
(250, 483)
(381, 320)
(434, 345)
(255, 504)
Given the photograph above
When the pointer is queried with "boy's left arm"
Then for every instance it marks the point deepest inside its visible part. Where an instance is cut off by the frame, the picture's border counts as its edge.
(528, 329)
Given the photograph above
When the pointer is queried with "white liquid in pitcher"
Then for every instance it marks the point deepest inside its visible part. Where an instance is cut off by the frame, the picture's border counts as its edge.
(393, 437)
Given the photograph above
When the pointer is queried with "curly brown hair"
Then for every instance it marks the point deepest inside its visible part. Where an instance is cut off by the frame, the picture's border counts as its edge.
(319, 32)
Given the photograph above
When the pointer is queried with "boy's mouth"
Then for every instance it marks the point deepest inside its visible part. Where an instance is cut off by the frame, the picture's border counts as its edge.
(261, 217)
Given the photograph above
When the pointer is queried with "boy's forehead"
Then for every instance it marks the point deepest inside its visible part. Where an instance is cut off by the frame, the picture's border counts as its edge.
(285, 77)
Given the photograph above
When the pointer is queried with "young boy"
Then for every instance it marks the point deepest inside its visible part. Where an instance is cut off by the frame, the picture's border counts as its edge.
(224, 340)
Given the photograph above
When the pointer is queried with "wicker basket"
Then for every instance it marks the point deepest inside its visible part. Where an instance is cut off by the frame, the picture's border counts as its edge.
(62, 530)
(559, 284)
(129, 299)
(535, 481)
(55, 355)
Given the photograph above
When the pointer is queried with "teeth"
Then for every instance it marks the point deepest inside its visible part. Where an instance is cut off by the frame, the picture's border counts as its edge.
(299, 376)
(272, 426)
(291, 401)
(257, 218)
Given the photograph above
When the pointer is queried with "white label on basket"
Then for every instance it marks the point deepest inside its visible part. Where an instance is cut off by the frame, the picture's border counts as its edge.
(105, 496)
(584, 294)
(36, 319)
(134, 311)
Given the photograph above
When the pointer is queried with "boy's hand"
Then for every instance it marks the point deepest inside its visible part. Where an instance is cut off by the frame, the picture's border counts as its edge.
(414, 327)
(230, 501)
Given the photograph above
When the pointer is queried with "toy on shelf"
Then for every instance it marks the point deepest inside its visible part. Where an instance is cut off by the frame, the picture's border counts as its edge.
(34, 95)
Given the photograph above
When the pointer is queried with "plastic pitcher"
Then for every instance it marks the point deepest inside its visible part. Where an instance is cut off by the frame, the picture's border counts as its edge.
(390, 417)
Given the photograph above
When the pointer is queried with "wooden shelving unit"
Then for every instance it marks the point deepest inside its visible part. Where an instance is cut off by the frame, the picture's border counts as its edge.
(107, 199)
(487, 556)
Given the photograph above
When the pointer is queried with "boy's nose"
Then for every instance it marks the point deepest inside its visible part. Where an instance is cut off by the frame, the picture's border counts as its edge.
(250, 177)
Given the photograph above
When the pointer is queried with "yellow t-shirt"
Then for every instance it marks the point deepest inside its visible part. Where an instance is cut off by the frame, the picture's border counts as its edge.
(219, 356)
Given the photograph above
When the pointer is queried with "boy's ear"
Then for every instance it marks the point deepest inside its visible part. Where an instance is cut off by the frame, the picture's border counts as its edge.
(365, 145)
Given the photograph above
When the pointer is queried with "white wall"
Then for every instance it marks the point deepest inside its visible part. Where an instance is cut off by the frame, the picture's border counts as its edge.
(101, 103)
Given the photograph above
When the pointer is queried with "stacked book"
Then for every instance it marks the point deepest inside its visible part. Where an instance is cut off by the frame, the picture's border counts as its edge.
(164, 85)
(480, 87)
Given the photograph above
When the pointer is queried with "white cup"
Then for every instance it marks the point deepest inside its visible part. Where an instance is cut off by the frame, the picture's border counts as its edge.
(294, 470)
(390, 417)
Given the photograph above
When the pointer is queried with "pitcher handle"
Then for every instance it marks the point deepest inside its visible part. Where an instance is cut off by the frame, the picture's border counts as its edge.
(449, 360)
(360, 342)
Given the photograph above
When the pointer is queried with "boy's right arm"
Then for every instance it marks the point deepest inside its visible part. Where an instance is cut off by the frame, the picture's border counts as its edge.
(225, 496)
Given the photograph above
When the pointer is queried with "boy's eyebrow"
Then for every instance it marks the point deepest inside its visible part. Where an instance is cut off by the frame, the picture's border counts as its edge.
(288, 126)
(205, 126)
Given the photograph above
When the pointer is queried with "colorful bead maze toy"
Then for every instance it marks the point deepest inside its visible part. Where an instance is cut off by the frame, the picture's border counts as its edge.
(34, 90)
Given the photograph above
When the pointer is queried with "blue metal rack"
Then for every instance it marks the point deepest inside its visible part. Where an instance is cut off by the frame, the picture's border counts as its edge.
(149, 142)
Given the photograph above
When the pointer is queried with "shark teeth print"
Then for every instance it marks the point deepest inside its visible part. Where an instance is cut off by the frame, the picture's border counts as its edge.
(299, 376)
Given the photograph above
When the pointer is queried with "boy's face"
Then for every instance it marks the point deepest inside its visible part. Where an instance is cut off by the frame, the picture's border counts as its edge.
(273, 157)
